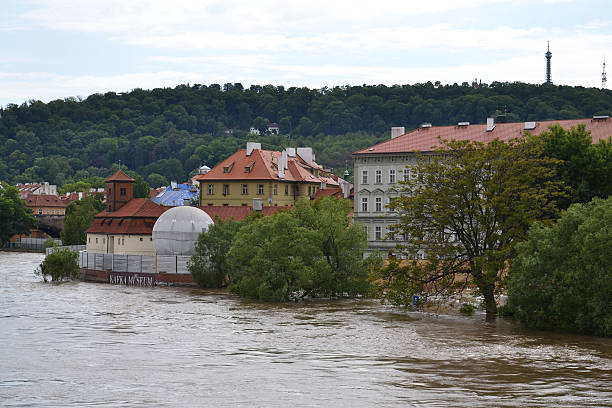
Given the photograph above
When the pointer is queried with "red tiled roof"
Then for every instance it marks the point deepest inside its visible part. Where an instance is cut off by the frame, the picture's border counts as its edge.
(136, 217)
(328, 192)
(44, 200)
(128, 226)
(263, 165)
(428, 139)
(120, 176)
(237, 212)
(136, 208)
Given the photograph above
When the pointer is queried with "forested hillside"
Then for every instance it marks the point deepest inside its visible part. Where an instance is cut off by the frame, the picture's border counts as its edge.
(164, 134)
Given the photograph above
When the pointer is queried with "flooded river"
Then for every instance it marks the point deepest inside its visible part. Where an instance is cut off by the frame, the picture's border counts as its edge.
(85, 344)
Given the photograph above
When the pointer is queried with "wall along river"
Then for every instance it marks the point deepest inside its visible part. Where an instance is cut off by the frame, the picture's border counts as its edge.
(83, 344)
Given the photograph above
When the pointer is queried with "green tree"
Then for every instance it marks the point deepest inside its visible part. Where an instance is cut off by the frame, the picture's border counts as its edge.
(584, 167)
(466, 209)
(15, 217)
(312, 250)
(59, 265)
(79, 217)
(141, 188)
(209, 265)
(157, 180)
(561, 278)
(261, 124)
(341, 241)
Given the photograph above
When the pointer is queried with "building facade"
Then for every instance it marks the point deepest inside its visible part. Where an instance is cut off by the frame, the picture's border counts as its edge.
(270, 177)
(379, 168)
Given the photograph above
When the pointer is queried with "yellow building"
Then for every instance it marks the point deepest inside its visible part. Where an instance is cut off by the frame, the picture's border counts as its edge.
(275, 178)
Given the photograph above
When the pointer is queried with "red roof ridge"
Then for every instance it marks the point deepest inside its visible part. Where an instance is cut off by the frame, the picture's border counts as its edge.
(120, 176)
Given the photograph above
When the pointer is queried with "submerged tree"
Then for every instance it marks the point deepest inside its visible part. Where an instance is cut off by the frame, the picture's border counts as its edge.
(466, 210)
(209, 264)
(561, 277)
(60, 265)
(312, 250)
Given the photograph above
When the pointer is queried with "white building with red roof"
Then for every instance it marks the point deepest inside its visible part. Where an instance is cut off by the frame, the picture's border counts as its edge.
(379, 168)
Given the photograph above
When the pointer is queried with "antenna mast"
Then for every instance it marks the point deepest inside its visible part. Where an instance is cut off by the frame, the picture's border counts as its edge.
(604, 79)
(548, 57)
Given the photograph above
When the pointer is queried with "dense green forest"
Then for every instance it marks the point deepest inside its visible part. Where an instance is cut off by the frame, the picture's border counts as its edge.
(165, 134)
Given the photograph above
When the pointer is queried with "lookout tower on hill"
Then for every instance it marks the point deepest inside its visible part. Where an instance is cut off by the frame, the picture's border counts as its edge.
(548, 57)
(119, 190)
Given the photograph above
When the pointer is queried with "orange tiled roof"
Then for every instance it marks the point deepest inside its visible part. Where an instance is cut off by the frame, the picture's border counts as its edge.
(44, 200)
(428, 139)
(119, 176)
(263, 165)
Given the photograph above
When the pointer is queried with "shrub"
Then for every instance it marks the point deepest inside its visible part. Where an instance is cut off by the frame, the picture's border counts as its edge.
(59, 266)
(467, 309)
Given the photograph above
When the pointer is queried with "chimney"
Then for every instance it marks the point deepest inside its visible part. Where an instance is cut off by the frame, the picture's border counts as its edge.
(490, 124)
(290, 151)
(346, 187)
(252, 146)
(257, 204)
(397, 131)
(282, 164)
(306, 154)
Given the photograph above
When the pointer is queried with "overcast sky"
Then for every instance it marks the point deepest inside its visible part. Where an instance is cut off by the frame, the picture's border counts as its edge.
(60, 48)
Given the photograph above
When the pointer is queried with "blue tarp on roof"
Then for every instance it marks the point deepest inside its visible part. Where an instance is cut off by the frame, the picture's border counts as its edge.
(176, 195)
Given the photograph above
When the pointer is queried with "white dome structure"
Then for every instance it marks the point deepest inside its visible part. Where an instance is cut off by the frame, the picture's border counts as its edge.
(177, 230)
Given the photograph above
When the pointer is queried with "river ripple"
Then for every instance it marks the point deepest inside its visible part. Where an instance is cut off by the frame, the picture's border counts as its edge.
(84, 344)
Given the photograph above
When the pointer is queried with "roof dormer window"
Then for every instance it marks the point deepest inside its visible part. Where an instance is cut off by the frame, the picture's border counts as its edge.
(228, 167)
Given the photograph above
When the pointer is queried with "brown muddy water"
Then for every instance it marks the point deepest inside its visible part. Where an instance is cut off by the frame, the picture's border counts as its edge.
(84, 344)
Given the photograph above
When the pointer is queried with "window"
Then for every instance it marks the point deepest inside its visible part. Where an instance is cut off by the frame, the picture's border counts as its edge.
(378, 176)
(378, 233)
(140, 239)
(89, 240)
(96, 240)
(406, 174)
(309, 190)
(104, 240)
(118, 241)
(286, 189)
(260, 189)
(122, 191)
(244, 204)
(40, 210)
(391, 176)
(364, 204)
(364, 177)
(211, 189)
(378, 204)
(122, 241)
(225, 189)
(48, 212)
(276, 189)
(210, 204)
(297, 190)
(245, 189)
